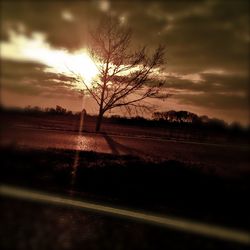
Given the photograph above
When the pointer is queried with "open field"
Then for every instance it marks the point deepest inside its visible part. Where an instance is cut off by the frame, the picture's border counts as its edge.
(222, 159)
(70, 123)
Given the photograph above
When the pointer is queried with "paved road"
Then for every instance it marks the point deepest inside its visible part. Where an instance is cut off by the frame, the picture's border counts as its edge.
(174, 223)
(229, 159)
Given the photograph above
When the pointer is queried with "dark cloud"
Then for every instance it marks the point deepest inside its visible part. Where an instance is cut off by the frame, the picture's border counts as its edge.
(209, 82)
(216, 101)
(201, 40)
(46, 17)
(30, 78)
(214, 91)
(226, 83)
(197, 34)
(195, 47)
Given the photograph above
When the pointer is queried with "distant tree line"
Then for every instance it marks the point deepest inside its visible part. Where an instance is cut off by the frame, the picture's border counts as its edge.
(58, 110)
(166, 119)
(172, 117)
(180, 119)
(185, 117)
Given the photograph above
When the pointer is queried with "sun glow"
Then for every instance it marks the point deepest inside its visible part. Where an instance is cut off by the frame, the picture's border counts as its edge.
(36, 49)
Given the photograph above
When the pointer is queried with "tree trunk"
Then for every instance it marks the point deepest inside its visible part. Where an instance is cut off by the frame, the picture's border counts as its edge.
(99, 122)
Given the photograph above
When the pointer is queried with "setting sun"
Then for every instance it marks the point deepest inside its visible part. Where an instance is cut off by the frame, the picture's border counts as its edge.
(82, 65)
(36, 49)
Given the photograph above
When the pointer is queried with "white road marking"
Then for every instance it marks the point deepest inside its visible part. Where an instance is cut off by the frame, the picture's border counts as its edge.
(165, 221)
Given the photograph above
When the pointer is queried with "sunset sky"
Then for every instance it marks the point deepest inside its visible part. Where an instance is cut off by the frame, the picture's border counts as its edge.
(207, 52)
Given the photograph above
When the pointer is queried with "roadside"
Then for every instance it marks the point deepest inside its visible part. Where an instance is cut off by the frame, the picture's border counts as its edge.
(170, 187)
(30, 225)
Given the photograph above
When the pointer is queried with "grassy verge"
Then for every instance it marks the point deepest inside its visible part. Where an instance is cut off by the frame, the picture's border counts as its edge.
(162, 186)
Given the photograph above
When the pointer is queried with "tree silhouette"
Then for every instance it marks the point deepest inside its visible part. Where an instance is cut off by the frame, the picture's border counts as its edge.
(123, 74)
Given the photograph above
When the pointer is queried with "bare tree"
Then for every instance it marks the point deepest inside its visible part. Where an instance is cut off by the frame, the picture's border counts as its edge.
(123, 74)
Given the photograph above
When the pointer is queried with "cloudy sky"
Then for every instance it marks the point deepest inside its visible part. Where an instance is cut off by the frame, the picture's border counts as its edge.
(207, 51)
